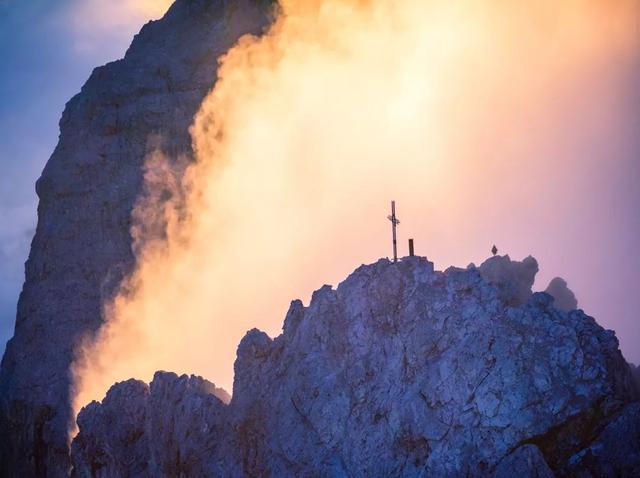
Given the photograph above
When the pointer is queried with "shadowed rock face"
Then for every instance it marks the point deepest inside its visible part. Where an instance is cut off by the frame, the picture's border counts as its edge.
(512, 278)
(400, 371)
(82, 246)
(615, 452)
(525, 462)
(136, 426)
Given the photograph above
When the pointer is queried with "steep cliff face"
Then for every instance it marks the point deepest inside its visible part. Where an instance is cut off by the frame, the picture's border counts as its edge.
(82, 245)
(399, 371)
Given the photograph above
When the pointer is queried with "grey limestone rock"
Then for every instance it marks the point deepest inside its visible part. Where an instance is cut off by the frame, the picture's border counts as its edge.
(174, 427)
(406, 371)
(615, 452)
(512, 278)
(82, 246)
(121, 417)
(525, 462)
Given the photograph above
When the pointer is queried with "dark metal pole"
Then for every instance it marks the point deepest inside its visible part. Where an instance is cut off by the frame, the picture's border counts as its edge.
(393, 223)
(411, 247)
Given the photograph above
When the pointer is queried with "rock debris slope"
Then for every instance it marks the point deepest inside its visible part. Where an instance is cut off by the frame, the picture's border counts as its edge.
(82, 245)
(399, 371)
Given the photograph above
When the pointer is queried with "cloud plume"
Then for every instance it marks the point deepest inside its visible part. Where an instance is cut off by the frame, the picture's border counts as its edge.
(457, 110)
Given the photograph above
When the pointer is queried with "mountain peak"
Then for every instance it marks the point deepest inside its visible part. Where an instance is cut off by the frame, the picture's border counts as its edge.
(402, 370)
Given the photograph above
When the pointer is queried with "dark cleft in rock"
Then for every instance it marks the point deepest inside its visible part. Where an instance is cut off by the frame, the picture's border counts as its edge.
(615, 452)
(400, 370)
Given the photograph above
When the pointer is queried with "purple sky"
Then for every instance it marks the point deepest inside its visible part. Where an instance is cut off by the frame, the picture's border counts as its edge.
(592, 238)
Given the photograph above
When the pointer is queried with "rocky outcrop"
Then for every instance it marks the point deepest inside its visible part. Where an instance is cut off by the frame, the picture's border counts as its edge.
(174, 427)
(82, 245)
(399, 371)
(512, 278)
(564, 298)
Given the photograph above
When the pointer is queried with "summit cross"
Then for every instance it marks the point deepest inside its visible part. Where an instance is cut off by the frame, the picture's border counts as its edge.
(394, 222)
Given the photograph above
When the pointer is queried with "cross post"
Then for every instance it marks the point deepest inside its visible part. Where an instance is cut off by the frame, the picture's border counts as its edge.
(394, 222)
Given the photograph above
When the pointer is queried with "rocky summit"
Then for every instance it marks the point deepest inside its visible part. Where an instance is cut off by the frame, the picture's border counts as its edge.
(398, 371)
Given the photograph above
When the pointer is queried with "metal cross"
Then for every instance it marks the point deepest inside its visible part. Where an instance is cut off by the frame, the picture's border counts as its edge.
(394, 222)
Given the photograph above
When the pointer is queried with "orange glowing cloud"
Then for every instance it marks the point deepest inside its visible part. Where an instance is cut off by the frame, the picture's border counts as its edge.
(457, 110)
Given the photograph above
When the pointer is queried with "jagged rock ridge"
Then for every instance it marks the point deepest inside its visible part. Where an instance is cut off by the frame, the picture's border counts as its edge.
(399, 371)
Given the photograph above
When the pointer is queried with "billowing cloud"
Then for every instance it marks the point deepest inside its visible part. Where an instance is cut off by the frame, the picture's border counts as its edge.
(475, 116)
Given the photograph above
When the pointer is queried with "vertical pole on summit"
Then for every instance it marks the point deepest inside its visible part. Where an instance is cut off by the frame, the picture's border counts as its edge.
(394, 222)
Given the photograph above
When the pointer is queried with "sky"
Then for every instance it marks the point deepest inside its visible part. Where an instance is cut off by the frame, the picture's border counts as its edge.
(48, 50)
(580, 216)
